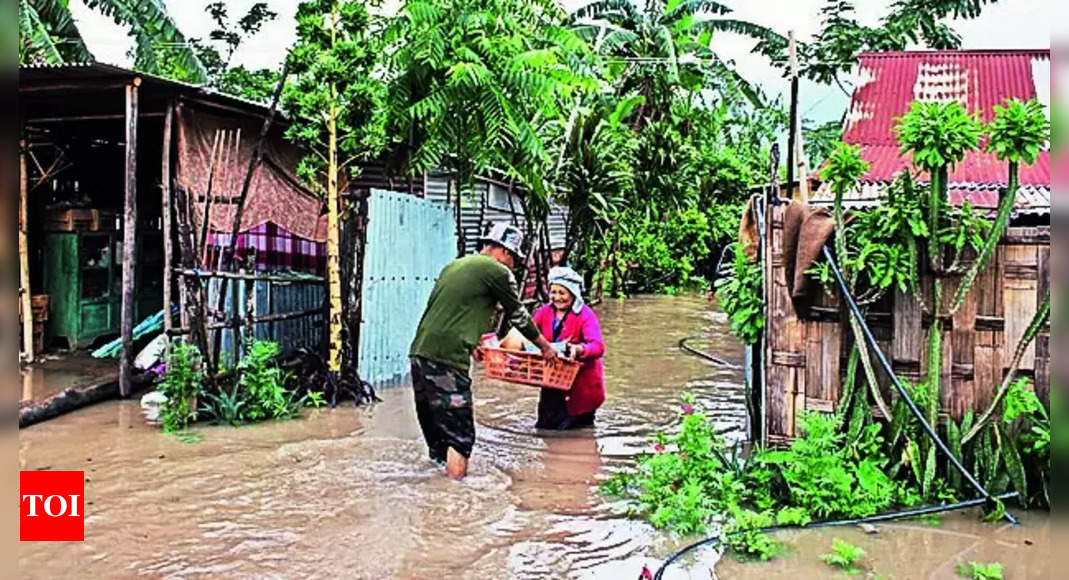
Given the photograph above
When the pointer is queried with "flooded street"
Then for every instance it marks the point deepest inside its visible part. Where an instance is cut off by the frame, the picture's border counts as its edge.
(350, 493)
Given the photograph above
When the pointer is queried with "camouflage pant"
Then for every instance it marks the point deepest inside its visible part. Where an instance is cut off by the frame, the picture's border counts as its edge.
(443, 407)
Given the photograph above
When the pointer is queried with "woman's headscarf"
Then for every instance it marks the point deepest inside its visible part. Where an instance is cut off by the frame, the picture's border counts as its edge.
(571, 280)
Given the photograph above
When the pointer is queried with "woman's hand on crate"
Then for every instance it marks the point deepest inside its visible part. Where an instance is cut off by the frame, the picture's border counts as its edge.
(573, 352)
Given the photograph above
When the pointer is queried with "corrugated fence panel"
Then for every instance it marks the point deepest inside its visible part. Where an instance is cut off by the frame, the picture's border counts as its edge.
(275, 298)
(477, 214)
(442, 192)
(409, 241)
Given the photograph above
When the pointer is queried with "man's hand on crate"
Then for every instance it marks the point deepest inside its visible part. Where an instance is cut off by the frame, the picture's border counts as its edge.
(548, 352)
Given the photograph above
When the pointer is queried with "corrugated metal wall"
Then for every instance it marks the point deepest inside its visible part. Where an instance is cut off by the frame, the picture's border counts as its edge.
(478, 214)
(277, 298)
(409, 241)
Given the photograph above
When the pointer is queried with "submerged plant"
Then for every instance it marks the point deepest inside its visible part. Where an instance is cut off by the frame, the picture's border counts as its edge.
(980, 570)
(260, 390)
(844, 555)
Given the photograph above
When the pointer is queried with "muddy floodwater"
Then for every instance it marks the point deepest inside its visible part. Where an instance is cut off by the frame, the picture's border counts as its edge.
(350, 493)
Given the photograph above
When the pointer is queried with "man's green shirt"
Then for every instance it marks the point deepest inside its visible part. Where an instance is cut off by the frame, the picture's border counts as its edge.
(460, 309)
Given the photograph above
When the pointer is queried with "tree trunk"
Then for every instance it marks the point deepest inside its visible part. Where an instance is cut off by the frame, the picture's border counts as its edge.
(333, 264)
(129, 248)
(24, 259)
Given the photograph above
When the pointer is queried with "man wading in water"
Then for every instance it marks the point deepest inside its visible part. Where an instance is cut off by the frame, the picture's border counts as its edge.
(458, 312)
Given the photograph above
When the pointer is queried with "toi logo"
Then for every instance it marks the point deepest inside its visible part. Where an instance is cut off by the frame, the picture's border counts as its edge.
(52, 506)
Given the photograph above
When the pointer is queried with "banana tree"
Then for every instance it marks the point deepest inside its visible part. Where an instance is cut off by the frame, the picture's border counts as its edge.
(663, 46)
(47, 33)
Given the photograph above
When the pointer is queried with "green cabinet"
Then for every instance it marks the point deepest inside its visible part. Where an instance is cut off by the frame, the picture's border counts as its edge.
(83, 276)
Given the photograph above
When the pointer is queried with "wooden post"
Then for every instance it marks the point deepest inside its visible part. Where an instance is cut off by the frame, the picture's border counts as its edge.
(129, 258)
(24, 258)
(165, 186)
(250, 312)
(793, 119)
(356, 302)
(796, 125)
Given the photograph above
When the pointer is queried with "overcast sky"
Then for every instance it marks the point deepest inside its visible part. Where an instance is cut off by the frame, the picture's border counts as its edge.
(1006, 24)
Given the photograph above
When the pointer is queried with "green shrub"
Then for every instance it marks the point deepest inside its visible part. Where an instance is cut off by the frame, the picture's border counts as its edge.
(259, 392)
(827, 476)
(182, 384)
(740, 296)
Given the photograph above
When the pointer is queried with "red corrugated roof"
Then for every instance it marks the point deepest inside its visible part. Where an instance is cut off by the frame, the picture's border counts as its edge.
(978, 167)
(889, 81)
(980, 79)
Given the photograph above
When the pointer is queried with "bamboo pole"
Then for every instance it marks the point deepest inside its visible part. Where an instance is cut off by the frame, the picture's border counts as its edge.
(254, 161)
(267, 318)
(24, 258)
(129, 247)
(218, 144)
(195, 273)
(333, 246)
(250, 312)
(165, 187)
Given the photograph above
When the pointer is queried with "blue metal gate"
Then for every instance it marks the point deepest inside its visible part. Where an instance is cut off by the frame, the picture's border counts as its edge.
(409, 241)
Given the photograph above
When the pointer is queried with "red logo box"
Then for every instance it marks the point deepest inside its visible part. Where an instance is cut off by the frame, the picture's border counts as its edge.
(51, 506)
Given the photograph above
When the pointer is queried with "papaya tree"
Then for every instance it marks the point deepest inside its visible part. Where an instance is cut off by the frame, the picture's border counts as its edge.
(334, 104)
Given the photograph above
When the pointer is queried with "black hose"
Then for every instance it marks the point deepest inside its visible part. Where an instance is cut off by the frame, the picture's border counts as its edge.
(829, 523)
(902, 390)
(711, 358)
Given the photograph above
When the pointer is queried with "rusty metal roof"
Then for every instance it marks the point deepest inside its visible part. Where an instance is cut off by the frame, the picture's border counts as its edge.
(75, 73)
(887, 83)
(1031, 199)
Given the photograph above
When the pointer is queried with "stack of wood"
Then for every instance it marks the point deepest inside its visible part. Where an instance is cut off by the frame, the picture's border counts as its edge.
(39, 313)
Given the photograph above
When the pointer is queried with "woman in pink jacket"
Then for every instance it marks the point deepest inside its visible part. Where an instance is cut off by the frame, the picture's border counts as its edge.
(567, 319)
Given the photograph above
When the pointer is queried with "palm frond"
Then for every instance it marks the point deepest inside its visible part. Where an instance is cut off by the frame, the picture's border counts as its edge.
(695, 7)
(608, 10)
